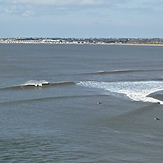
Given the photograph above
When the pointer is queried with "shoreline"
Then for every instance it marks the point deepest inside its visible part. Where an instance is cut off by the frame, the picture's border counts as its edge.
(120, 44)
(79, 43)
(84, 41)
(132, 44)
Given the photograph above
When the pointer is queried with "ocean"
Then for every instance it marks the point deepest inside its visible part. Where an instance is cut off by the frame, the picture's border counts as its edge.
(81, 103)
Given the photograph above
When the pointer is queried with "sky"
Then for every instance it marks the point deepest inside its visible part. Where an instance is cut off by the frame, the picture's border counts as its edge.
(81, 18)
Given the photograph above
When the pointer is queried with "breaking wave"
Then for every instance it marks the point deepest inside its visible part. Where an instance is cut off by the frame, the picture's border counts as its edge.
(37, 84)
(137, 91)
(44, 82)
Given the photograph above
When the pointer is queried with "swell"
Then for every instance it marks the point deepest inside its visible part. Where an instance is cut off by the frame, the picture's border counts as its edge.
(63, 83)
(45, 99)
(157, 95)
(114, 72)
(138, 120)
(158, 79)
(34, 87)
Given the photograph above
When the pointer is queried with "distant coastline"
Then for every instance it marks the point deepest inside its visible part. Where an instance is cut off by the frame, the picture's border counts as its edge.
(83, 41)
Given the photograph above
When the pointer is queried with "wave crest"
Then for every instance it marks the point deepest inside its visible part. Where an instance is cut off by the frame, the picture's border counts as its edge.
(35, 83)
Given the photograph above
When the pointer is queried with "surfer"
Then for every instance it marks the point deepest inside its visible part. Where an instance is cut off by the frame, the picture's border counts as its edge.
(156, 119)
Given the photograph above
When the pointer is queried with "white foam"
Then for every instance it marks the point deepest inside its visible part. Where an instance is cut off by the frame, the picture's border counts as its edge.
(35, 83)
(137, 91)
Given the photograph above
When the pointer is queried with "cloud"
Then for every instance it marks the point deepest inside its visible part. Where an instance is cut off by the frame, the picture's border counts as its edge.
(154, 2)
(29, 8)
(64, 17)
(28, 13)
(58, 2)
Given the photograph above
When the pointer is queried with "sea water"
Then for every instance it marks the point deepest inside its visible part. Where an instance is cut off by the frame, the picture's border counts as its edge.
(81, 103)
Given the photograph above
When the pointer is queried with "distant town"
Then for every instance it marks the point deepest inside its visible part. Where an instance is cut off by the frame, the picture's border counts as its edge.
(105, 41)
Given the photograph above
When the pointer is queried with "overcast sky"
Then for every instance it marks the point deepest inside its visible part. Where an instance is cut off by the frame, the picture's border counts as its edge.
(81, 18)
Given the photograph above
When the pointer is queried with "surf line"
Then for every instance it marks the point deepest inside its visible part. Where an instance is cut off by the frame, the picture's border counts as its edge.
(35, 83)
(44, 82)
(136, 91)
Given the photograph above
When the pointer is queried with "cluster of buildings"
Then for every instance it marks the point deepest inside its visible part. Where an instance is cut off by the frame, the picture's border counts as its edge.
(24, 40)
